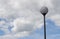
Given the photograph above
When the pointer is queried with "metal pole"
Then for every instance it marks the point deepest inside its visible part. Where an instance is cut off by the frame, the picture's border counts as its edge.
(44, 28)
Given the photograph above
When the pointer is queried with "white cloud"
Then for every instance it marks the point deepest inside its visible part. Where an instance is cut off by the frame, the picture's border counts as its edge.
(22, 34)
(21, 25)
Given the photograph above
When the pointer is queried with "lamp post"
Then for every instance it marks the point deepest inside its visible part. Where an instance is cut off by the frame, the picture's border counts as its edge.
(44, 11)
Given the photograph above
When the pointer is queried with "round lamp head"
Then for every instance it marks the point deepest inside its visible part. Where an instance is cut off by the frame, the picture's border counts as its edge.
(44, 10)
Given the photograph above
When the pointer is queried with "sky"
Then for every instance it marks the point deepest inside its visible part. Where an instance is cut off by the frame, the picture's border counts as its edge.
(21, 19)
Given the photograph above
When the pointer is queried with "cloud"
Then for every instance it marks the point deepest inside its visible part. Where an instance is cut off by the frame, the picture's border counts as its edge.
(21, 25)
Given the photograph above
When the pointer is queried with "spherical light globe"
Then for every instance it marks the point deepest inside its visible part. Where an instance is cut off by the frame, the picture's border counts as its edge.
(44, 10)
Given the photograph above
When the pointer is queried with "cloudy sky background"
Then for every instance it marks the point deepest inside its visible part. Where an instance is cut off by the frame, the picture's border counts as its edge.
(21, 19)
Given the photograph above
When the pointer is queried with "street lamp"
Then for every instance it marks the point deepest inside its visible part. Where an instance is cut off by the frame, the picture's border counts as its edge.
(44, 11)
